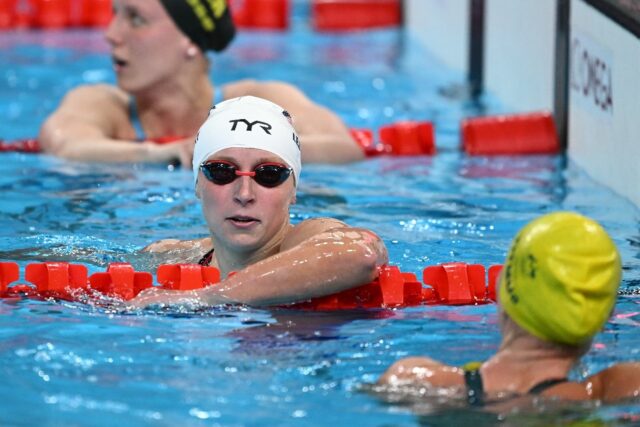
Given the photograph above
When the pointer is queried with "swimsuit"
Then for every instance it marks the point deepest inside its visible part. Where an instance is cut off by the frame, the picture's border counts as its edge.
(218, 96)
(206, 258)
(475, 388)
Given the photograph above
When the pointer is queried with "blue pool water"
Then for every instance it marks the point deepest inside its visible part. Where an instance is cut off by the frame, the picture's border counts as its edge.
(71, 364)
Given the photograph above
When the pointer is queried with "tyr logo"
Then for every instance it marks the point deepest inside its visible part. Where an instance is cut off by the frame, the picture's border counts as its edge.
(265, 126)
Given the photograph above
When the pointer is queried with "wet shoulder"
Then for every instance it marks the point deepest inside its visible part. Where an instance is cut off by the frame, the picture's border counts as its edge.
(318, 225)
(101, 95)
(101, 101)
(309, 228)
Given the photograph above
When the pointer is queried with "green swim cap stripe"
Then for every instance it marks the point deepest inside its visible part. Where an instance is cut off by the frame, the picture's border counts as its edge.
(207, 23)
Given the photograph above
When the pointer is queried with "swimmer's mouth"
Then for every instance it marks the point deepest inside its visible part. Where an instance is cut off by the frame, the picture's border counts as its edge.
(245, 219)
(119, 62)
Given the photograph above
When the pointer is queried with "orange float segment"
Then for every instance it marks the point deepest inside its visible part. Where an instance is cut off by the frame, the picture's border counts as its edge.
(476, 274)
(51, 13)
(364, 139)
(55, 13)
(9, 272)
(121, 280)
(349, 15)
(413, 290)
(456, 283)
(267, 14)
(494, 274)
(187, 277)
(95, 13)
(531, 133)
(56, 276)
(392, 286)
(7, 14)
(408, 138)
(21, 145)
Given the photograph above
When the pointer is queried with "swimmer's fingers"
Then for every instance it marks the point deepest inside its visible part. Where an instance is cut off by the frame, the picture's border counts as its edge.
(180, 151)
(186, 153)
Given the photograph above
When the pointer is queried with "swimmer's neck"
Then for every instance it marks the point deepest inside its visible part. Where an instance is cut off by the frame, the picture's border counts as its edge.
(229, 260)
(175, 108)
(524, 363)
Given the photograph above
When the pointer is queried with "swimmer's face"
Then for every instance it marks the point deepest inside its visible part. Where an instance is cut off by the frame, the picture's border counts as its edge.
(146, 45)
(244, 215)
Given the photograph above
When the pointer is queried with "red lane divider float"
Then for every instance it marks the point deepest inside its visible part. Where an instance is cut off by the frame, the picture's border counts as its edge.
(54, 13)
(496, 135)
(20, 145)
(445, 284)
(350, 15)
(405, 138)
(409, 138)
(532, 133)
(263, 14)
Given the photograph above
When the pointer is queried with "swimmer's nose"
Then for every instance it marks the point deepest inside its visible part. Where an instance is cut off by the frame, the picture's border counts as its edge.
(244, 190)
(113, 33)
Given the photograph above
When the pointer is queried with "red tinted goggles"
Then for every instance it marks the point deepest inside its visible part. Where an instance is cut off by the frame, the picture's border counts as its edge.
(268, 175)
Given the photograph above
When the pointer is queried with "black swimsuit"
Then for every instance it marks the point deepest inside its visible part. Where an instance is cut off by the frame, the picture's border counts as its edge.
(206, 258)
(475, 388)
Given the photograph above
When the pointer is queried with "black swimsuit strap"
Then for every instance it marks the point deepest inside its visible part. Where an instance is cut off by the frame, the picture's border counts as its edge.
(206, 258)
(546, 384)
(475, 388)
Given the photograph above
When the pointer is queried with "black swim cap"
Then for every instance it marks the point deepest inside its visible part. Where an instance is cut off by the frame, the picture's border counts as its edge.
(207, 23)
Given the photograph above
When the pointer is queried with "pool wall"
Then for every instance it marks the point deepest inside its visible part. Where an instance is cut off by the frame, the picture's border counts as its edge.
(577, 58)
(604, 94)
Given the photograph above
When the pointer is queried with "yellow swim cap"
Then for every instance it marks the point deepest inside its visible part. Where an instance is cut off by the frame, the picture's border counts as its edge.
(561, 277)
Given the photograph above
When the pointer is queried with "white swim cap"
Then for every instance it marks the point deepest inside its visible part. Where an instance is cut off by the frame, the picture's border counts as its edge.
(248, 122)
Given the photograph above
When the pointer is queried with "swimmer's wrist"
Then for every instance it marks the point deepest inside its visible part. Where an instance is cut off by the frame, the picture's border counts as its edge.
(154, 153)
(217, 294)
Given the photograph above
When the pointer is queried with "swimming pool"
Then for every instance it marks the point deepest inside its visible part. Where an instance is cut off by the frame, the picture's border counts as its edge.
(71, 364)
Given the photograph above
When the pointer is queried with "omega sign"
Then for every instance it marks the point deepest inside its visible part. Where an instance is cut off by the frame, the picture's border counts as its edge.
(591, 75)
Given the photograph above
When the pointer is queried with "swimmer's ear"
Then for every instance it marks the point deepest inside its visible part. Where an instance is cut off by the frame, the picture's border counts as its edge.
(192, 51)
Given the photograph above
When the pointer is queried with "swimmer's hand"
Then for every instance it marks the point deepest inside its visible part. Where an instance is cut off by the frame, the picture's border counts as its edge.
(180, 151)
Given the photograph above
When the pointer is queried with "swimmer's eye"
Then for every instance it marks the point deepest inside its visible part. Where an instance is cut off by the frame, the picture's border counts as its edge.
(133, 17)
(129, 13)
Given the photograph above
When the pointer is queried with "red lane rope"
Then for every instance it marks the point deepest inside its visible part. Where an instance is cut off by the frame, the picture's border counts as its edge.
(446, 284)
(28, 145)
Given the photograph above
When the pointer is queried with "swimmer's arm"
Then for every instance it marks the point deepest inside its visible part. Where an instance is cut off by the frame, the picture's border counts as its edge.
(82, 128)
(172, 251)
(172, 245)
(422, 371)
(331, 261)
(324, 137)
(618, 382)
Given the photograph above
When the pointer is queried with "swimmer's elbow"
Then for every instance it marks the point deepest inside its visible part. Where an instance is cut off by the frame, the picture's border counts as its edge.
(50, 140)
(368, 258)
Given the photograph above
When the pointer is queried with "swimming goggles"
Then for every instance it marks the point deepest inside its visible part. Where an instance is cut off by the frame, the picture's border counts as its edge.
(268, 175)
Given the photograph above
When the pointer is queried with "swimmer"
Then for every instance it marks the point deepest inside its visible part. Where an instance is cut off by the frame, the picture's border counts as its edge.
(164, 92)
(556, 291)
(246, 167)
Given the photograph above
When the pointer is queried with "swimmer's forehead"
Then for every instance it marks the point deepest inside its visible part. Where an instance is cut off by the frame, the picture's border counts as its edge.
(245, 155)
